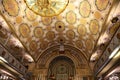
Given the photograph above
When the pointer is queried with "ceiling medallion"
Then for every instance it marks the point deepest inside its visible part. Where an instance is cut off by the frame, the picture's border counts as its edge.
(47, 8)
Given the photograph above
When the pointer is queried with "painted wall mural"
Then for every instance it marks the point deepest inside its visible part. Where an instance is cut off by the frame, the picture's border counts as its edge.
(60, 26)
(74, 26)
(94, 26)
(79, 44)
(11, 6)
(70, 34)
(38, 32)
(89, 44)
(85, 8)
(82, 30)
(46, 20)
(30, 15)
(101, 4)
(71, 17)
(33, 46)
(24, 30)
(50, 35)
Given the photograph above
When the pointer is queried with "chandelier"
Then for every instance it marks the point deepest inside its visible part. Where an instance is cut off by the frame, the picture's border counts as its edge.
(47, 8)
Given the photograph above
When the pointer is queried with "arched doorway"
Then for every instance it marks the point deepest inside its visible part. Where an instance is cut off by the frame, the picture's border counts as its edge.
(61, 68)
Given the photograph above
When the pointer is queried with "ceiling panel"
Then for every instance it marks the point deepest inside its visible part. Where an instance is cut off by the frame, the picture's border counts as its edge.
(79, 25)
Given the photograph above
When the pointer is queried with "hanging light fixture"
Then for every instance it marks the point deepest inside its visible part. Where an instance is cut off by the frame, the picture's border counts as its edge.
(47, 8)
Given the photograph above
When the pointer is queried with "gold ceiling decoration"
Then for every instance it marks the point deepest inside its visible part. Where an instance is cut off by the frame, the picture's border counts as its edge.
(24, 30)
(101, 4)
(11, 6)
(85, 8)
(47, 8)
(79, 25)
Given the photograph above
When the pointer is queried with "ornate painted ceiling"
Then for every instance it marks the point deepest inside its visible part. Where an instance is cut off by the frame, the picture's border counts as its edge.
(79, 25)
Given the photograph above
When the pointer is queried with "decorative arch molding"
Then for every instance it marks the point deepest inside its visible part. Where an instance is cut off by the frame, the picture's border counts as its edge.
(71, 52)
(76, 61)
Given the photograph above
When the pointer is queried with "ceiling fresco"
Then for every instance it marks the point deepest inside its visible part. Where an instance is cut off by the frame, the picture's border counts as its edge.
(79, 25)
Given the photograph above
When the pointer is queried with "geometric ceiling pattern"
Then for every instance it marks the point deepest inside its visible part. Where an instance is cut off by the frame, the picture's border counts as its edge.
(79, 25)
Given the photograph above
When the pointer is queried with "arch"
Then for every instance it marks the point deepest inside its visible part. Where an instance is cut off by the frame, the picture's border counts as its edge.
(48, 55)
(61, 65)
(75, 60)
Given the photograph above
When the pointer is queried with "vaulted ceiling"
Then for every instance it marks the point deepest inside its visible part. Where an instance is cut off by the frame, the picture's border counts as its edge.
(80, 25)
